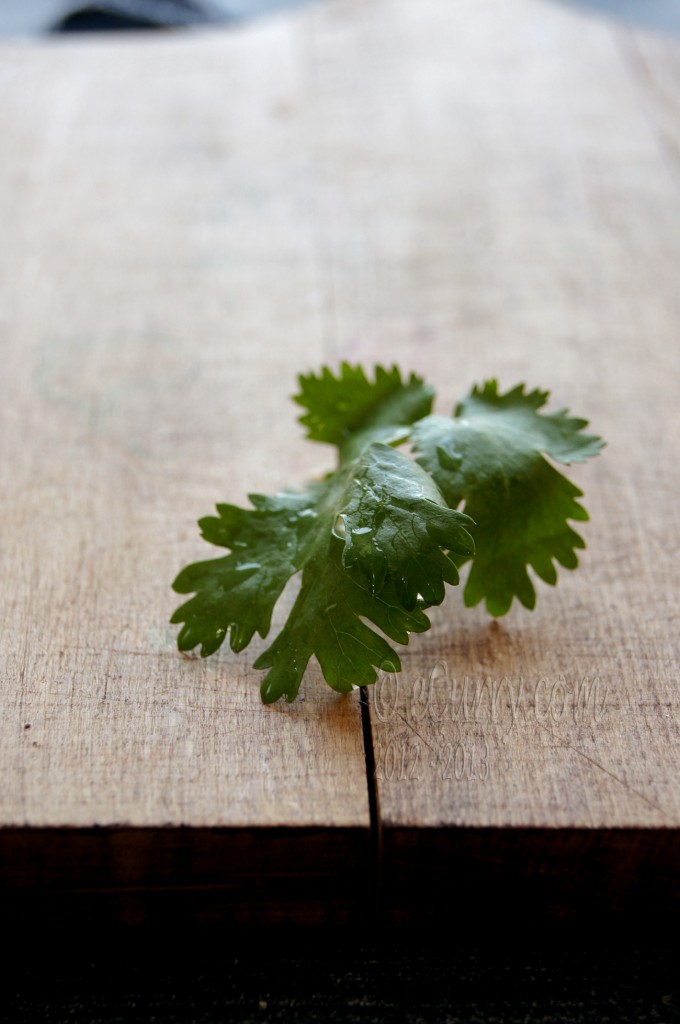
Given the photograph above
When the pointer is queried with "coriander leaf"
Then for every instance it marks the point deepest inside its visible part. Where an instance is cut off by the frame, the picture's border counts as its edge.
(376, 540)
(236, 594)
(397, 525)
(370, 540)
(391, 528)
(326, 621)
(491, 457)
(352, 410)
(557, 434)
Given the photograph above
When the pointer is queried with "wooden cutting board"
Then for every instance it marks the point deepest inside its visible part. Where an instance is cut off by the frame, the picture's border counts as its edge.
(189, 221)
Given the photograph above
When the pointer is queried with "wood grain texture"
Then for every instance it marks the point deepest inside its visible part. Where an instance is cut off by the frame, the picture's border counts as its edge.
(544, 228)
(159, 297)
(470, 190)
(522, 222)
(585, 244)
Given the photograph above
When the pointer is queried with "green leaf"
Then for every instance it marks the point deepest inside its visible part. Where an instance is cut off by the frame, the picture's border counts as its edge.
(383, 519)
(236, 595)
(377, 540)
(397, 525)
(351, 408)
(557, 434)
(370, 541)
(326, 621)
(491, 457)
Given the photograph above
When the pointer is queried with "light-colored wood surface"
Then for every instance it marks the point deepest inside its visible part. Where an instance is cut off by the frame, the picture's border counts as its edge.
(470, 190)
(557, 261)
(160, 284)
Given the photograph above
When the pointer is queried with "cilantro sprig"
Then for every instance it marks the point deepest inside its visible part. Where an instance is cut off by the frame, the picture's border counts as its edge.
(377, 540)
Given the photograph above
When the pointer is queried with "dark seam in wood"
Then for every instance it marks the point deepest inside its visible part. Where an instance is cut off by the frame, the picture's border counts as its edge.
(376, 836)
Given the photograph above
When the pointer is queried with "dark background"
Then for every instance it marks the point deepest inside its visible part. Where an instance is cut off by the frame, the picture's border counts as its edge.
(276, 975)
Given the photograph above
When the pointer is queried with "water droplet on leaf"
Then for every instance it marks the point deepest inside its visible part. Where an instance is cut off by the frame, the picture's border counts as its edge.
(339, 528)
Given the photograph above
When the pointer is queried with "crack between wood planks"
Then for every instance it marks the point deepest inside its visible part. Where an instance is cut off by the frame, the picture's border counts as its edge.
(376, 832)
